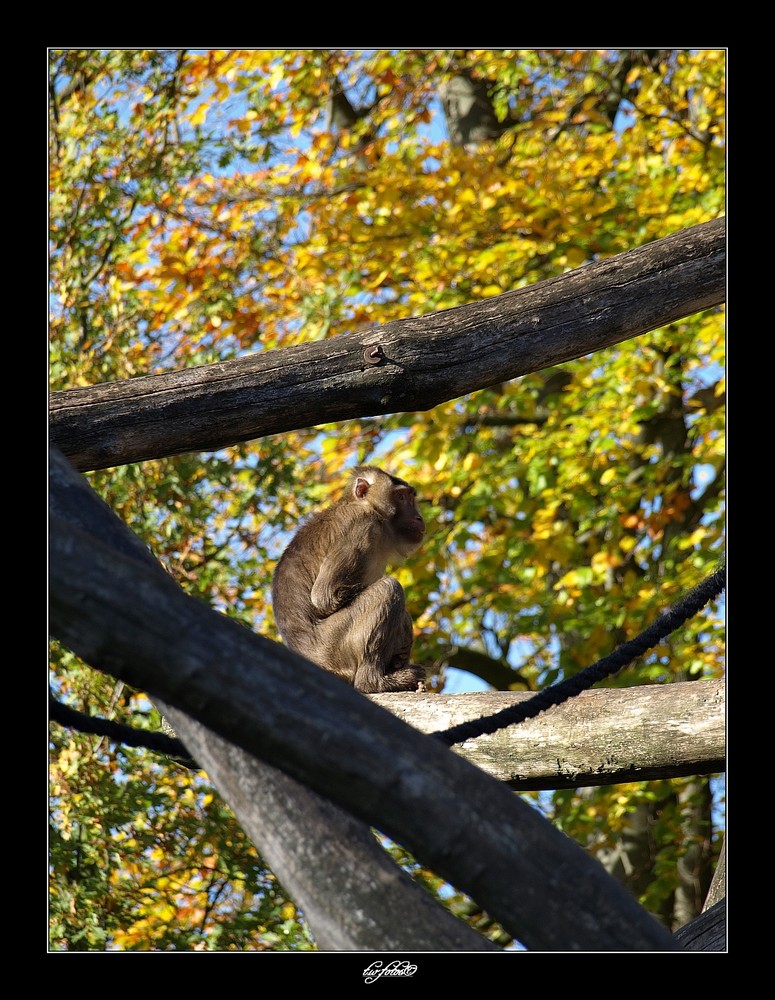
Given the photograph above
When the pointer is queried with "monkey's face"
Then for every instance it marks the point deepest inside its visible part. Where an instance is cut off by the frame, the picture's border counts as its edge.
(408, 523)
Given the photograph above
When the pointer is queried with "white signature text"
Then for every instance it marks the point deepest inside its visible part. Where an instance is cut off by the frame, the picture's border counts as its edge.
(394, 968)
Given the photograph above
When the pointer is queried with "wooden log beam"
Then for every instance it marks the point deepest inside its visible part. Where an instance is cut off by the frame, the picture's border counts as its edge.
(414, 364)
(707, 932)
(601, 737)
(354, 896)
(358, 899)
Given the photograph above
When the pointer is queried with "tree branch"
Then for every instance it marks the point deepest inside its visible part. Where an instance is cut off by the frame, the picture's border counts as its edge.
(424, 361)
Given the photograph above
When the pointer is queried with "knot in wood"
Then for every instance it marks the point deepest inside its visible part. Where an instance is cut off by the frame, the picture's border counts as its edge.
(373, 354)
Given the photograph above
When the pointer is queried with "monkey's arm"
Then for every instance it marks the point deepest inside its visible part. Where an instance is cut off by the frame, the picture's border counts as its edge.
(341, 578)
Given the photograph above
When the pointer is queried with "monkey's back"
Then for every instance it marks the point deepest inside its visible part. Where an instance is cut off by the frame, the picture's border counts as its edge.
(299, 566)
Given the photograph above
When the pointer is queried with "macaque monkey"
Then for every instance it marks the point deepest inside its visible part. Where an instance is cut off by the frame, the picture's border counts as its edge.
(333, 602)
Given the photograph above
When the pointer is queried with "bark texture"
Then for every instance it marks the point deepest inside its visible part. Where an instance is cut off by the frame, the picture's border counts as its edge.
(407, 365)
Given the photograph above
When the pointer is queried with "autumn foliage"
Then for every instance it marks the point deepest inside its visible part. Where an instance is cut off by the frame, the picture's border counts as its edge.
(209, 204)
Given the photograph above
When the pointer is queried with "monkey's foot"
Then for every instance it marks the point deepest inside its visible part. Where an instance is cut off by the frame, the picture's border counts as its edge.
(408, 677)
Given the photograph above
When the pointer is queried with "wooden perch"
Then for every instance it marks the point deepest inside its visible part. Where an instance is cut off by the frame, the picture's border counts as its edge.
(284, 739)
(707, 932)
(125, 616)
(349, 898)
(407, 365)
(601, 737)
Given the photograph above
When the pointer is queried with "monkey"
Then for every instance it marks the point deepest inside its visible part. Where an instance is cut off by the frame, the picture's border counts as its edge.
(333, 602)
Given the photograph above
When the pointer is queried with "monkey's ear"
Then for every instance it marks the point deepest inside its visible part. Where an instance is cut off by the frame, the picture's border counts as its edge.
(361, 488)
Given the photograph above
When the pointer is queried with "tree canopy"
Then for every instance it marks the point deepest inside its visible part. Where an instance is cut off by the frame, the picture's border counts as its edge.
(209, 205)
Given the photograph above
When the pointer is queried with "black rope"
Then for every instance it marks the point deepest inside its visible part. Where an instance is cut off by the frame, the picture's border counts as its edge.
(117, 732)
(556, 694)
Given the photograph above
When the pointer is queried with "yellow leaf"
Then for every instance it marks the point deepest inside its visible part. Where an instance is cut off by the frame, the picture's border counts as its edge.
(694, 539)
(607, 476)
(575, 256)
(198, 117)
(377, 281)
(570, 579)
(601, 561)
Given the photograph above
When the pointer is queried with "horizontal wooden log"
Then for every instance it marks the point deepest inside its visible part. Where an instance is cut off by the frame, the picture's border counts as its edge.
(601, 737)
(420, 362)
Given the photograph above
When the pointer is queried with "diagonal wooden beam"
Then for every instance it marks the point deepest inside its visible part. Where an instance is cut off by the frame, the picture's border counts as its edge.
(125, 615)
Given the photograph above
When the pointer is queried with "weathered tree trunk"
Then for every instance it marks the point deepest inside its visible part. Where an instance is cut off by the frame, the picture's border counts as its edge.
(707, 932)
(718, 885)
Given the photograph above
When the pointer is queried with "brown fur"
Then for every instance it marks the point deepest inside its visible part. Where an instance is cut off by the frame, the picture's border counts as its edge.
(332, 601)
